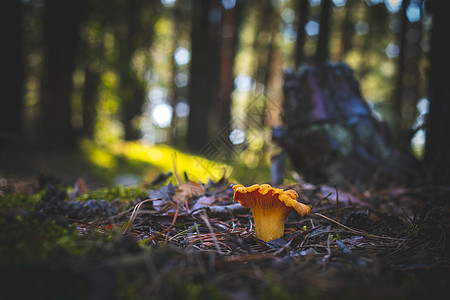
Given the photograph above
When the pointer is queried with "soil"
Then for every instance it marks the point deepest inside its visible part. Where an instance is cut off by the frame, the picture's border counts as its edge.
(190, 241)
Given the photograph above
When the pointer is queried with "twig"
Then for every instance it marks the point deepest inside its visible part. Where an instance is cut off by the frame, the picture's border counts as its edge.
(157, 233)
(328, 244)
(199, 235)
(283, 248)
(174, 219)
(135, 212)
(359, 231)
(184, 231)
(205, 219)
(337, 201)
(175, 216)
(407, 217)
(316, 246)
(119, 215)
(323, 198)
(297, 235)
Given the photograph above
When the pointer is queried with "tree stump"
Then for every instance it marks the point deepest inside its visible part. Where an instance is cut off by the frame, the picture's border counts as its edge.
(331, 134)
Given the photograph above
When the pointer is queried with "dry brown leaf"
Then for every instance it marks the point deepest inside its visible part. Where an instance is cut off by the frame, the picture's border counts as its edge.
(186, 191)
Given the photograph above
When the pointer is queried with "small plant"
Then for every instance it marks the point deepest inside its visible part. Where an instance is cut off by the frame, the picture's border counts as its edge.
(414, 230)
(335, 237)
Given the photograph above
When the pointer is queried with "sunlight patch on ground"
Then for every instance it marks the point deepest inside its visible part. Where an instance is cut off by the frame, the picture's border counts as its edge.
(135, 158)
(161, 156)
(102, 158)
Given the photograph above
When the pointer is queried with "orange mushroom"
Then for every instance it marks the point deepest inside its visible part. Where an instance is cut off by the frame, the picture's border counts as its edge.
(270, 208)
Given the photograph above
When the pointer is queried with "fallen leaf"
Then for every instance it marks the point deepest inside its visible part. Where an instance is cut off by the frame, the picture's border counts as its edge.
(204, 201)
(186, 191)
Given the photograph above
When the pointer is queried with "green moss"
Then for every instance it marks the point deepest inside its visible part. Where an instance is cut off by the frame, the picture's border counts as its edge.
(114, 193)
(126, 288)
(276, 292)
(26, 241)
(188, 290)
(313, 293)
(17, 201)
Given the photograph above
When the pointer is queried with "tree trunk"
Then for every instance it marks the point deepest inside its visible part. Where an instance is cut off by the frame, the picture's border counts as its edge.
(346, 34)
(92, 80)
(322, 52)
(412, 82)
(264, 41)
(132, 94)
(230, 31)
(89, 99)
(264, 48)
(303, 14)
(375, 17)
(398, 126)
(12, 69)
(62, 22)
(437, 147)
(173, 89)
(131, 89)
(204, 71)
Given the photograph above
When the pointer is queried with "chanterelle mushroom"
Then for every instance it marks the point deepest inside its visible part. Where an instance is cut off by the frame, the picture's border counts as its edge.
(270, 208)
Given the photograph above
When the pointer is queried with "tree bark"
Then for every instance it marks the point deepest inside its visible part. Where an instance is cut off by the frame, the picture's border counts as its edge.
(89, 99)
(204, 71)
(61, 37)
(346, 34)
(92, 80)
(303, 14)
(173, 89)
(399, 85)
(12, 68)
(331, 134)
(375, 17)
(230, 31)
(437, 147)
(264, 42)
(322, 51)
(131, 89)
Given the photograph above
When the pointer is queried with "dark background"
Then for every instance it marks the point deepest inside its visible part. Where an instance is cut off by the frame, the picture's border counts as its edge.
(82, 76)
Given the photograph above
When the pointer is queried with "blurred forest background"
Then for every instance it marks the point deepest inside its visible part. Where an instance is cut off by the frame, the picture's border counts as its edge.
(121, 83)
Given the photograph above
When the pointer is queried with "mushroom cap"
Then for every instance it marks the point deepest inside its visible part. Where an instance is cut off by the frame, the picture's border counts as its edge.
(266, 196)
(270, 208)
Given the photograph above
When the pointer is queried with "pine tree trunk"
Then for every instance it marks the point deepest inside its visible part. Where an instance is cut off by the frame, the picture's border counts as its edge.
(204, 72)
(231, 22)
(61, 37)
(397, 102)
(12, 68)
(346, 34)
(131, 88)
(322, 50)
(303, 14)
(89, 99)
(437, 147)
(173, 89)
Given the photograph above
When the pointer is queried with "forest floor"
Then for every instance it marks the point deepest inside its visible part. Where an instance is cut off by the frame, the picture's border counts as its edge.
(188, 240)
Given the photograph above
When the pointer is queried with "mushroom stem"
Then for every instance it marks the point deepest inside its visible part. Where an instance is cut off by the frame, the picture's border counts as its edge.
(269, 225)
